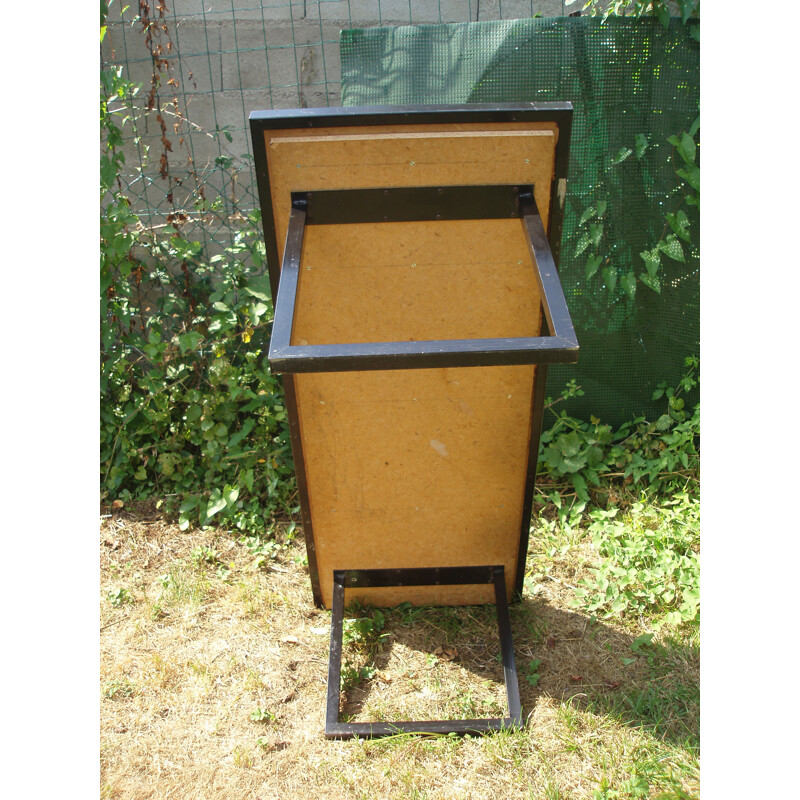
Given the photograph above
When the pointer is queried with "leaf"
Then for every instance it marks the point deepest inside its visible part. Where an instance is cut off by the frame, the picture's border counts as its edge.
(595, 233)
(687, 148)
(641, 144)
(672, 248)
(189, 503)
(230, 495)
(583, 243)
(580, 488)
(587, 215)
(680, 224)
(592, 265)
(691, 174)
(216, 503)
(628, 283)
(189, 341)
(610, 278)
(694, 127)
(652, 260)
(662, 12)
(569, 443)
(621, 155)
(651, 281)
(664, 422)
(240, 434)
(601, 208)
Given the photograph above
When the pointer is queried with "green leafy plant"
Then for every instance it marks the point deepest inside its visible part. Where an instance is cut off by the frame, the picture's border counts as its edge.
(647, 561)
(118, 688)
(363, 632)
(532, 675)
(119, 596)
(661, 455)
(361, 636)
(262, 715)
(189, 408)
(639, 8)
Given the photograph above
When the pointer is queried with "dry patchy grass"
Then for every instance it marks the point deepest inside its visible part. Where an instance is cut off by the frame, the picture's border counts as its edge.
(189, 651)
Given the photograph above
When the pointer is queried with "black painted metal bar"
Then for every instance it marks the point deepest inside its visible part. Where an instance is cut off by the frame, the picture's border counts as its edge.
(421, 354)
(335, 657)
(554, 302)
(507, 647)
(418, 576)
(262, 121)
(411, 204)
(561, 347)
(448, 114)
(423, 576)
(290, 275)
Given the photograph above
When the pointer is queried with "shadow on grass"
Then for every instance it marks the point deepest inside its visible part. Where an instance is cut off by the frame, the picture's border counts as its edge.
(561, 654)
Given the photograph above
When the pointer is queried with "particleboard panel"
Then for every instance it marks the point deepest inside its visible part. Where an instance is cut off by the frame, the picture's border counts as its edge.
(409, 155)
(403, 281)
(416, 468)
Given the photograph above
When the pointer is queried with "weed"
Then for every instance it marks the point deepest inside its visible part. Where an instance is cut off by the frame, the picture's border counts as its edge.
(532, 675)
(351, 676)
(647, 562)
(662, 455)
(208, 556)
(242, 757)
(119, 596)
(262, 715)
(363, 632)
(116, 689)
(264, 549)
(633, 787)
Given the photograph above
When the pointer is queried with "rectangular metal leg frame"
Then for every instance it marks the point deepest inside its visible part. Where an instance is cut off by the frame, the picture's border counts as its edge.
(433, 576)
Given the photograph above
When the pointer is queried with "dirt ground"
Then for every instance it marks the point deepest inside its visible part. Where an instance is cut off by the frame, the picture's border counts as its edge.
(213, 683)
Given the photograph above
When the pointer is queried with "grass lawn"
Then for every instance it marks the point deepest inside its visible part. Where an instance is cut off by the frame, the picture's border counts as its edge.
(214, 668)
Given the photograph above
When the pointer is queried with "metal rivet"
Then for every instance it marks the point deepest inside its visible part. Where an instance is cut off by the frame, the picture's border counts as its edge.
(412, 163)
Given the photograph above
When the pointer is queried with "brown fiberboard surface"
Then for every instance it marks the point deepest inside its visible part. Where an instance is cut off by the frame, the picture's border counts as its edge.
(413, 468)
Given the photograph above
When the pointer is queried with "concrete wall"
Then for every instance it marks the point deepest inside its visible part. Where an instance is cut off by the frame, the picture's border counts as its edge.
(229, 57)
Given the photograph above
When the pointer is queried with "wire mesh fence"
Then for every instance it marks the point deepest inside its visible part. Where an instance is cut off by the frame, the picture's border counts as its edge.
(214, 62)
(203, 66)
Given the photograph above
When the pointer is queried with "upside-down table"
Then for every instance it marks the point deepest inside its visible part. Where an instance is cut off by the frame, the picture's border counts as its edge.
(412, 255)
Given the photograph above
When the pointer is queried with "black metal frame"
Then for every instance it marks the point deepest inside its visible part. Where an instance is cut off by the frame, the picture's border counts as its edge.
(428, 203)
(427, 576)
(366, 116)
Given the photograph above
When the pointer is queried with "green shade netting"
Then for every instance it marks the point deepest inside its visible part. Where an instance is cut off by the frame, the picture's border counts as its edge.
(630, 82)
